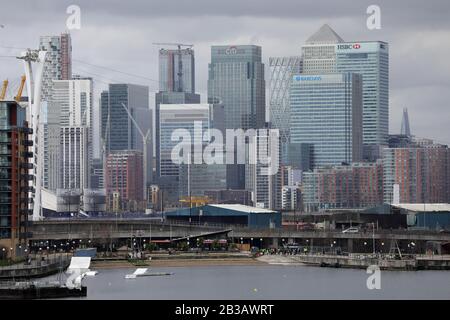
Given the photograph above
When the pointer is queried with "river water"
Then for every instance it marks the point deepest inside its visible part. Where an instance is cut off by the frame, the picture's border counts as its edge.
(266, 282)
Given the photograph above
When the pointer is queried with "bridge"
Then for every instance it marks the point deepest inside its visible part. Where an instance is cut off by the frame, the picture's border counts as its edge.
(107, 230)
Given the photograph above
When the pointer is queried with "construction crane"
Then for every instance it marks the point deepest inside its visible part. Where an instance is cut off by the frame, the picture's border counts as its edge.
(180, 63)
(145, 138)
(4, 87)
(195, 200)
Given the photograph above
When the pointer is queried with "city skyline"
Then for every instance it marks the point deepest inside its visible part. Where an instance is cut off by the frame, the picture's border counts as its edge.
(413, 41)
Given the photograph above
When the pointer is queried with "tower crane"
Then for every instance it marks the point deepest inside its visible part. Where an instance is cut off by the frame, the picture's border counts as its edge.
(180, 63)
(145, 138)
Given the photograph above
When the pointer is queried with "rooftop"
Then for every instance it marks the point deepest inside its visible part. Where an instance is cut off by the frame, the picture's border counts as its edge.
(242, 208)
(324, 35)
(423, 207)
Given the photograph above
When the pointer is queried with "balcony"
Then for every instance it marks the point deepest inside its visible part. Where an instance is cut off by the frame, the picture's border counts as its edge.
(27, 189)
(28, 143)
(26, 211)
(28, 177)
(26, 165)
(27, 154)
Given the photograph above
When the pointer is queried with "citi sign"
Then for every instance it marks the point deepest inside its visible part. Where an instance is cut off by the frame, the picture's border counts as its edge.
(231, 50)
(348, 46)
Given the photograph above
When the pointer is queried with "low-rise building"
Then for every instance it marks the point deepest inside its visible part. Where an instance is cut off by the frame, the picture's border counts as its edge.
(355, 186)
(124, 181)
(421, 172)
(228, 214)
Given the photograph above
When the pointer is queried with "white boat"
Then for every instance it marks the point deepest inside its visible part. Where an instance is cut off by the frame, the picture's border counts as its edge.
(144, 272)
(138, 273)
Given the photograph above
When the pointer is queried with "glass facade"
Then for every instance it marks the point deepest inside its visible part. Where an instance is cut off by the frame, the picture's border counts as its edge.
(281, 71)
(371, 60)
(326, 113)
(236, 80)
(169, 98)
(192, 178)
(326, 52)
(169, 69)
(59, 65)
(118, 131)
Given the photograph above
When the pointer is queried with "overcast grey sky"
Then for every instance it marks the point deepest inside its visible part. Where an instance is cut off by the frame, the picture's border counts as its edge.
(119, 34)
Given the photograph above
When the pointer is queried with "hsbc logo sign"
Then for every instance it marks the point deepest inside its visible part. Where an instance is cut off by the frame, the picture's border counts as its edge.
(355, 46)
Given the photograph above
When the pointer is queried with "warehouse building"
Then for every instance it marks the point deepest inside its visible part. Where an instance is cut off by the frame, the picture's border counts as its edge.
(229, 214)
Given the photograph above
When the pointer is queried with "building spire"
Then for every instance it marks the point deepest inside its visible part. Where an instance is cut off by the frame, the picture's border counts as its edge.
(405, 130)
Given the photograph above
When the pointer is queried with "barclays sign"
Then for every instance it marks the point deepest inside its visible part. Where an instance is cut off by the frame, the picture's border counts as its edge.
(307, 78)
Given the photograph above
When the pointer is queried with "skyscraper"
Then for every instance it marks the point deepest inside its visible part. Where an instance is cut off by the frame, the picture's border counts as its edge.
(327, 113)
(68, 144)
(319, 51)
(236, 80)
(281, 71)
(176, 86)
(169, 98)
(74, 164)
(405, 130)
(172, 78)
(264, 179)
(371, 61)
(59, 65)
(117, 129)
(178, 180)
(327, 52)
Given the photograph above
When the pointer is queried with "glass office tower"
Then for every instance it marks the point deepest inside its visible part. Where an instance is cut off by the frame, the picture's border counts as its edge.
(371, 60)
(117, 129)
(327, 113)
(236, 80)
(281, 71)
(171, 77)
(186, 179)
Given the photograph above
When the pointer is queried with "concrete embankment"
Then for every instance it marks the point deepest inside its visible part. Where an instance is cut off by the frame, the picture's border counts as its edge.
(178, 260)
(37, 269)
(362, 261)
(278, 260)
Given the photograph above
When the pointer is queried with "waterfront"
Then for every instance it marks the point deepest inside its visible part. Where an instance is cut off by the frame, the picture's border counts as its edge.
(266, 282)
